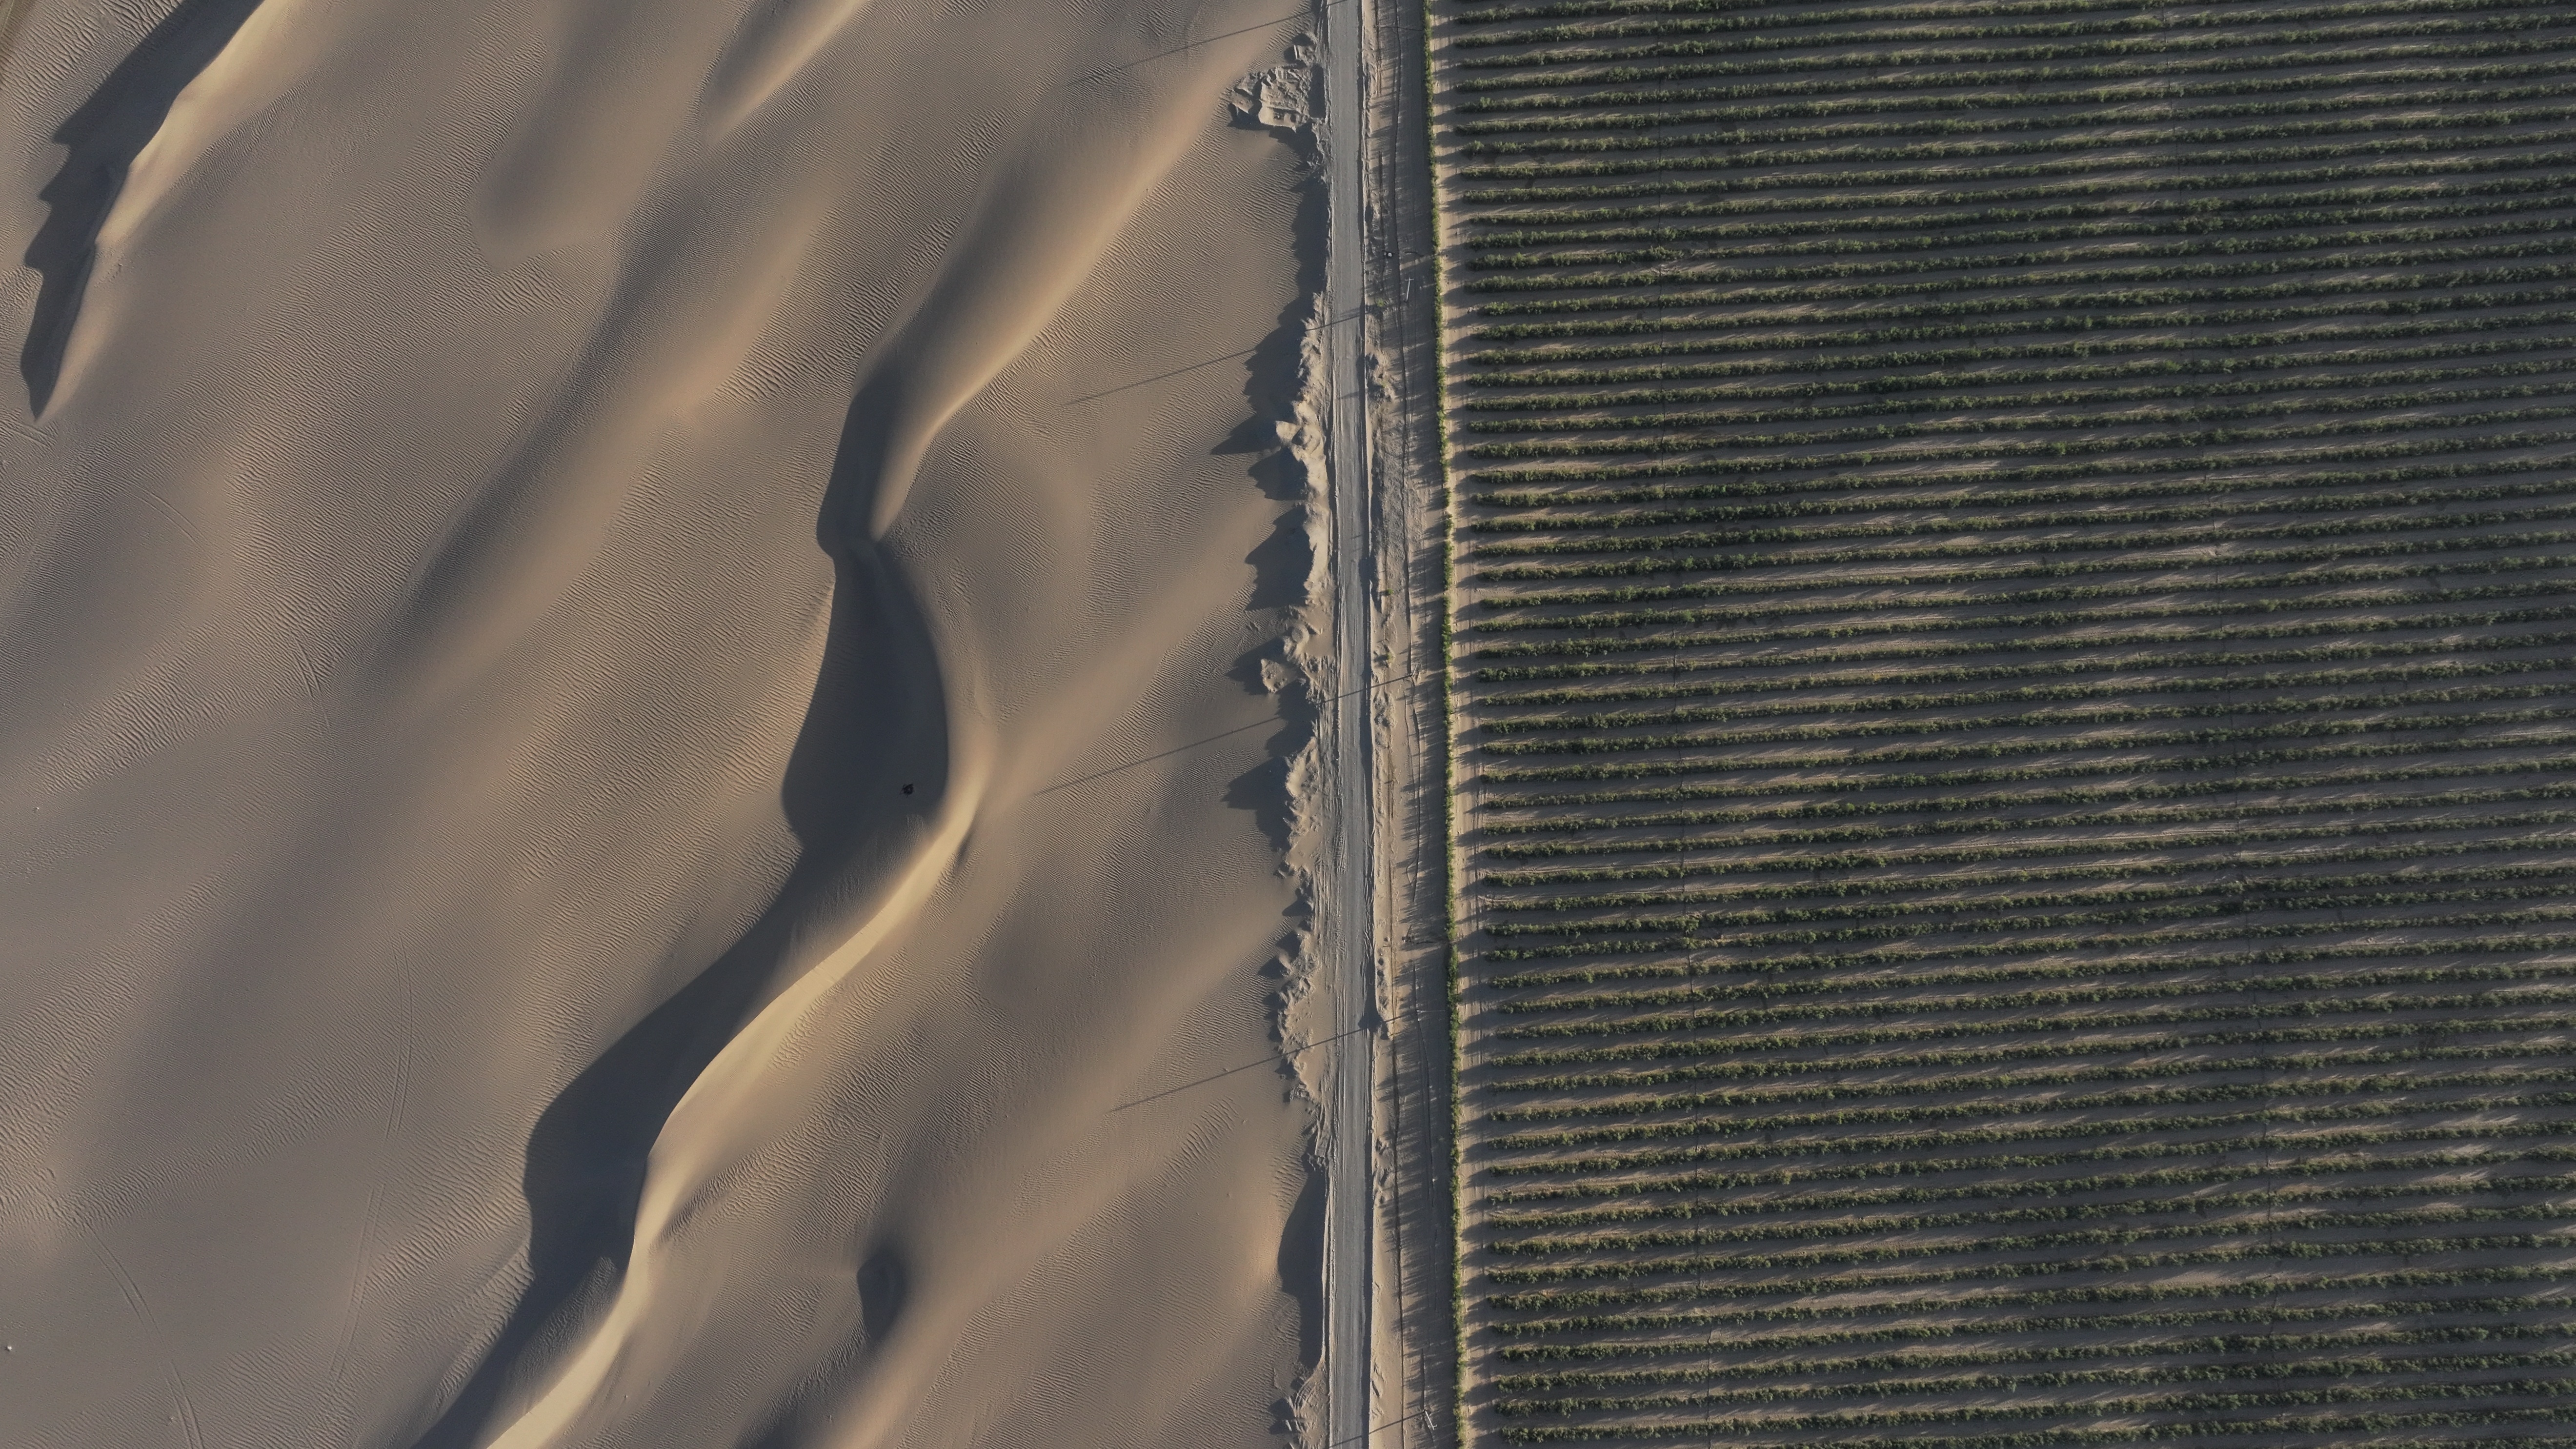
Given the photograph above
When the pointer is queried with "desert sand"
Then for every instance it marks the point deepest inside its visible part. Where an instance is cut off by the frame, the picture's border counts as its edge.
(651, 658)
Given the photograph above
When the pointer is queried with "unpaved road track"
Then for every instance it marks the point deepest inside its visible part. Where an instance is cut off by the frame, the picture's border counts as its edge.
(1349, 934)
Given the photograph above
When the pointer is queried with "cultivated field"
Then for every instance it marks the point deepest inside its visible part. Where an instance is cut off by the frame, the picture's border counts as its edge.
(2016, 719)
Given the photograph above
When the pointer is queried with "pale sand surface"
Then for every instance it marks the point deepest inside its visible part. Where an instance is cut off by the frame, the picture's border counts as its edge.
(442, 757)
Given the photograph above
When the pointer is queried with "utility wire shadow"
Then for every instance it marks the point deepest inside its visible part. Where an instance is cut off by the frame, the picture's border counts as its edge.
(1271, 1060)
(1262, 723)
(1271, 23)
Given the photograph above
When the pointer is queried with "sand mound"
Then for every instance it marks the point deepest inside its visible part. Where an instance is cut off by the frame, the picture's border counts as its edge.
(604, 603)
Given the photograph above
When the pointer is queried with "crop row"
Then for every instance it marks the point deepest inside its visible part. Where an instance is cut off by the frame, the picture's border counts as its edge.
(1884, 612)
(2003, 524)
(2274, 253)
(2039, 337)
(2072, 703)
(1772, 988)
(1999, 1257)
(1879, 768)
(1846, 746)
(1789, 13)
(2116, 233)
(1688, 153)
(1471, 94)
(2256, 1355)
(2212, 381)
(2121, 363)
(2373, 1043)
(2190, 1217)
(1835, 872)
(2141, 553)
(1890, 634)
(1779, 28)
(2466, 1014)
(2266, 402)
(1758, 1278)
(1885, 967)
(2020, 933)
(2385, 162)
(2318, 276)
(1933, 71)
(1935, 90)
(2451, 1184)
(2130, 649)
(2214, 51)
(1903, 490)
(2018, 1043)
(2060, 311)
(1792, 594)
(1928, 1339)
(2093, 725)
(2084, 886)
(1900, 1084)
(2363, 1127)
(2127, 1376)
(1781, 18)
(1643, 124)
(2248, 1155)
(1889, 965)
(1840, 890)
(1868, 236)
(1583, 254)
(1817, 1120)
(1802, 122)
(2097, 442)
(2215, 782)
(1834, 733)
(2489, 179)
(1631, 131)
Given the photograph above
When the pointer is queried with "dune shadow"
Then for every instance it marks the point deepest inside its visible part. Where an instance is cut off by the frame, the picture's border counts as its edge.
(1283, 563)
(1301, 1267)
(103, 136)
(885, 1287)
(871, 755)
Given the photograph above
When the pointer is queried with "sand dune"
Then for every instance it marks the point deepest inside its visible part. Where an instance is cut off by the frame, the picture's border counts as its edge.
(603, 607)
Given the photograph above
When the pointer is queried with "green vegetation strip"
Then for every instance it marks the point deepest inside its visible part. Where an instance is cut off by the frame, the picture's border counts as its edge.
(2013, 719)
